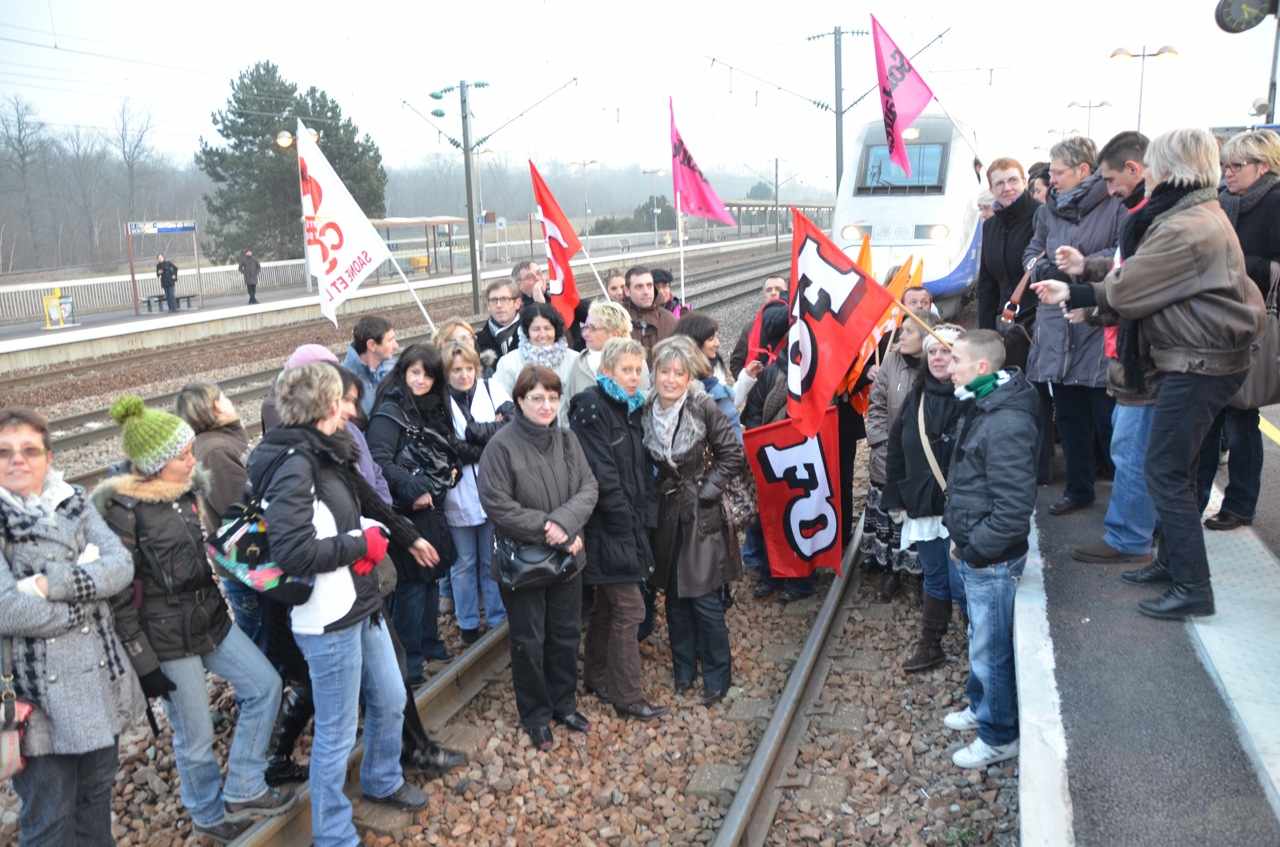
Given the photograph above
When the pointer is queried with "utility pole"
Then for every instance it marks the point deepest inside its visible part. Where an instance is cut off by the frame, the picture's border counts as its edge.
(839, 112)
(777, 213)
(471, 205)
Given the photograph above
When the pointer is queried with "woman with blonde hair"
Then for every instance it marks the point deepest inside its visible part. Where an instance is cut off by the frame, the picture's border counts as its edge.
(454, 331)
(605, 320)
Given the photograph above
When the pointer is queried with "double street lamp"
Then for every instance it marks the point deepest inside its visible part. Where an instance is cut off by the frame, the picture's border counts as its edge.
(1143, 55)
(1090, 105)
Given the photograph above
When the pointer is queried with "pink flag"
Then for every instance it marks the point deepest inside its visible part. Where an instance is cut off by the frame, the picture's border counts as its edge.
(697, 197)
(903, 94)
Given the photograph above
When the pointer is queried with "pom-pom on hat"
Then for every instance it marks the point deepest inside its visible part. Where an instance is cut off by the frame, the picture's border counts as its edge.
(150, 437)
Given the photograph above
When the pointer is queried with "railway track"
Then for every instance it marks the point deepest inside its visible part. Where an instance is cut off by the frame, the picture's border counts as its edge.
(716, 288)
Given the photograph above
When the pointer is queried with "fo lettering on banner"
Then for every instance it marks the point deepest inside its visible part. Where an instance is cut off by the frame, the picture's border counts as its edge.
(798, 484)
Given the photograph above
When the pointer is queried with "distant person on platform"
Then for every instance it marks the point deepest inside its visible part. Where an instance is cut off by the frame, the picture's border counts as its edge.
(371, 356)
(167, 273)
(249, 267)
(500, 334)
(662, 280)
(532, 282)
(650, 323)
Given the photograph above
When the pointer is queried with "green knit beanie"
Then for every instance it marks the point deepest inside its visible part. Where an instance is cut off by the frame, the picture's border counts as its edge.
(151, 437)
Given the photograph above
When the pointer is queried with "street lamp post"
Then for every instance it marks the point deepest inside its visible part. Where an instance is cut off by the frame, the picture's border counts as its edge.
(468, 149)
(586, 203)
(656, 210)
(1090, 105)
(1122, 53)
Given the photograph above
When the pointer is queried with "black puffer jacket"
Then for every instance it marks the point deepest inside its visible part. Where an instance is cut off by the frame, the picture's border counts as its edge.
(173, 608)
(910, 483)
(1004, 239)
(1259, 232)
(617, 535)
(991, 486)
(389, 428)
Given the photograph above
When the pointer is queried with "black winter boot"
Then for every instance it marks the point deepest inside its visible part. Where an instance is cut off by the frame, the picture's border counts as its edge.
(295, 713)
(928, 653)
(433, 760)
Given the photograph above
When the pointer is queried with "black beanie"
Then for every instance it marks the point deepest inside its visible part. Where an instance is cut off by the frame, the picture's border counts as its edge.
(774, 323)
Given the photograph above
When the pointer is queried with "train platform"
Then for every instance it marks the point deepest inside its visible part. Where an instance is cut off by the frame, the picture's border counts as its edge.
(1144, 732)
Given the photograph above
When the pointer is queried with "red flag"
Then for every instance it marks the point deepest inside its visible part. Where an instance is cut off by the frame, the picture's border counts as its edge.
(797, 478)
(834, 307)
(562, 243)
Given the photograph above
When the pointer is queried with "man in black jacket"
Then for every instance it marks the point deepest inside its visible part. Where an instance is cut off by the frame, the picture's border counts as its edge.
(1004, 239)
(607, 420)
(991, 494)
(249, 267)
(775, 288)
(499, 335)
(167, 273)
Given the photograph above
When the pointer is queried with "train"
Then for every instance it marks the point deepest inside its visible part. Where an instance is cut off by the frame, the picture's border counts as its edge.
(931, 215)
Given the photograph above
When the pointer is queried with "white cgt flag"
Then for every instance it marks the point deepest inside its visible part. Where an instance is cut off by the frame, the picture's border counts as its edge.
(342, 246)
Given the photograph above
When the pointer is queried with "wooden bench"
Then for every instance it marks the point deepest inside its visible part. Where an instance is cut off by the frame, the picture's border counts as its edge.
(158, 301)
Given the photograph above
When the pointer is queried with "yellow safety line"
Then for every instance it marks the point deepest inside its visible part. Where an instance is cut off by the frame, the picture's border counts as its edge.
(1269, 429)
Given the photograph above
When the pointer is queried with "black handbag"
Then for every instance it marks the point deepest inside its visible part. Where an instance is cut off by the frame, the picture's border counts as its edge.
(521, 566)
(1017, 341)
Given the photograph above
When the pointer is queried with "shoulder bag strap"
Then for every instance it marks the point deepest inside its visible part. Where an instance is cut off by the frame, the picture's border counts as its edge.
(8, 696)
(928, 448)
(1012, 308)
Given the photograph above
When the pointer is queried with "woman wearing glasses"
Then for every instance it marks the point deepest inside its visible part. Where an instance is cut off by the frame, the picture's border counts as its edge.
(542, 343)
(605, 320)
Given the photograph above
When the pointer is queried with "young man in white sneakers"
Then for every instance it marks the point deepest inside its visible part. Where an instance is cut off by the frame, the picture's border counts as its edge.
(991, 493)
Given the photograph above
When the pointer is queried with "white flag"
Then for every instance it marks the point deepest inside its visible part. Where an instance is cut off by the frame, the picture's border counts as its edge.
(342, 246)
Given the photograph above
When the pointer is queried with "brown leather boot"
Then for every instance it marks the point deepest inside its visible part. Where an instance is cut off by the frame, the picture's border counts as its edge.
(928, 653)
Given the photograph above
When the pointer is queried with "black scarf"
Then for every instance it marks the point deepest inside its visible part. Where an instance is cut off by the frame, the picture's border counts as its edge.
(541, 437)
(1236, 205)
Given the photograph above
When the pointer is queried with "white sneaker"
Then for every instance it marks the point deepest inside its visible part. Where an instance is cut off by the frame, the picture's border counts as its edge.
(961, 721)
(979, 754)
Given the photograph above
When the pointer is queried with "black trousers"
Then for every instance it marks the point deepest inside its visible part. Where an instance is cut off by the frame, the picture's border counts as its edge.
(851, 428)
(1186, 405)
(1244, 467)
(545, 625)
(698, 634)
(253, 291)
(66, 800)
(1084, 421)
(1045, 436)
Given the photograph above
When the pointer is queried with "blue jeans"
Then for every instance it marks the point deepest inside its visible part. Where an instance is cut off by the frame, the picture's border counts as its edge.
(243, 601)
(941, 579)
(415, 613)
(1131, 516)
(472, 577)
(170, 300)
(67, 799)
(257, 687)
(754, 556)
(344, 665)
(992, 689)
(698, 634)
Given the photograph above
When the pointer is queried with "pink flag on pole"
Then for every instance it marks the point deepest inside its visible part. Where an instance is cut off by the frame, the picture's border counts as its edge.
(697, 197)
(903, 94)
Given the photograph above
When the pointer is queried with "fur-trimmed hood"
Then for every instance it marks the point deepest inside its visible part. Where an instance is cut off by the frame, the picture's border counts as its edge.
(149, 489)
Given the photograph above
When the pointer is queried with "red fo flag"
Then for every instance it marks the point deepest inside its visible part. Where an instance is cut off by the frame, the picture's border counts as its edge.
(903, 94)
(834, 307)
(562, 243)
(797, 479)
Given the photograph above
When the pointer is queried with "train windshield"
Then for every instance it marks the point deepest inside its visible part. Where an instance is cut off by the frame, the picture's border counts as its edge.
(879, 175)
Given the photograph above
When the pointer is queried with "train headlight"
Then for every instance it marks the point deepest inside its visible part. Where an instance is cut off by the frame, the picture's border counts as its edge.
(932, 232)
(852, 232)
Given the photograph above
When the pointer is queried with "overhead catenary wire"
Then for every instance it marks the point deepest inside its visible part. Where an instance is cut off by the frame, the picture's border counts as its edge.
(813, 101)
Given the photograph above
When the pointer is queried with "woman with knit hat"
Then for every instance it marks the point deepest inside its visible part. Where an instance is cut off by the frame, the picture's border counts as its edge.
(175, 625)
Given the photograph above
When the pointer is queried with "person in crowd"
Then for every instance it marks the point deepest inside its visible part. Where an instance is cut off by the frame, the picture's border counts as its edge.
(917, 298)
(60, 565)
(1068, 358)
(455, 331)
(606, 418)
(1130, 521)
(663, 295)
(175, 625)
(542, 343)
(372, 355)
(697, 452)
(302, 355)
(605, 321)
(921, 439)
(1038, 181)
(719, 393)
(882, 548)
(615, 283)
(711, 371)
(167, 273)
(537, 488)
(411, 438)
(498, 336)
(650, 323)
(222, 448)
(1251, 200)
(531, 281)
(991, 494)
(249, 268)
(986, 206)
(315, 500)
(1187, 283)
(775, 288)
(1005, 237)
(478, 407)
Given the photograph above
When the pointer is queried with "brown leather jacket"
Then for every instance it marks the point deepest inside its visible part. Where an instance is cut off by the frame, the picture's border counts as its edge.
(1188, 285)
(651, 325)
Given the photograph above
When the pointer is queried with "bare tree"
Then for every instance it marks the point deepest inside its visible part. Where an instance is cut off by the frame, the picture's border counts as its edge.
(86, 161)
(24, 145)
(131, 144)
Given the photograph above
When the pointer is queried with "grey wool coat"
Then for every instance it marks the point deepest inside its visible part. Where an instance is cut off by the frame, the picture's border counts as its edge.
(68, 660)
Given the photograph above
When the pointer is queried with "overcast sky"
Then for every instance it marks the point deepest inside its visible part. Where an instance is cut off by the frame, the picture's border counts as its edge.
(1008, 67)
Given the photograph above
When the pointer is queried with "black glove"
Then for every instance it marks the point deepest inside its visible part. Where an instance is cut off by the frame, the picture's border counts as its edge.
(156, 684)
(709, 492)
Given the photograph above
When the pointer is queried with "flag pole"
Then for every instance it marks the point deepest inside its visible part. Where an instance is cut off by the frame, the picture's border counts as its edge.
(976, 154)
(922, 324)
(680, 233)
(587, 256)
(430, 323)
